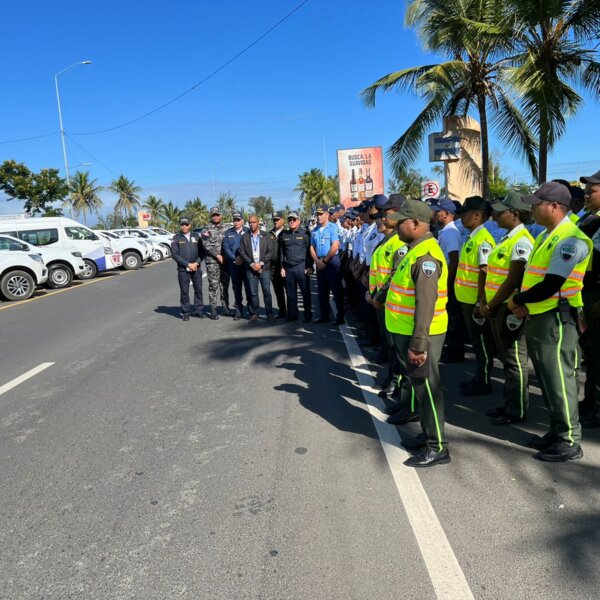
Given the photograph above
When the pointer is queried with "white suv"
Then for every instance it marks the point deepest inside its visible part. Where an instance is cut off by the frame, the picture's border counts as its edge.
(62, 264)
(20, 273)
(134, 252)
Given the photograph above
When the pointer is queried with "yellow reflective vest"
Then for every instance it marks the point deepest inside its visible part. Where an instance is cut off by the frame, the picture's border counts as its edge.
(400, 303)
(499, 263)
(382, 262)
(539, 262)
(465, 284)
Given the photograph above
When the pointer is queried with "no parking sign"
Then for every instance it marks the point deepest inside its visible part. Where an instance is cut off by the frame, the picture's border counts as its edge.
(430, 190)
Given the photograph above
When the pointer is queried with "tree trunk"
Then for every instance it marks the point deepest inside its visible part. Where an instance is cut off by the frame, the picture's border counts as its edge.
(543, 153)
(485, 150)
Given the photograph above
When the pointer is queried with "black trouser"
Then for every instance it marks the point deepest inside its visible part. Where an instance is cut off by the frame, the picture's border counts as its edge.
(455, 338)
(264, 279)
(370, 318)
(393, 371)
(239, 282)
(279, 288)
(328, 280)
(296, 278)
(195, 277)
(481, 340)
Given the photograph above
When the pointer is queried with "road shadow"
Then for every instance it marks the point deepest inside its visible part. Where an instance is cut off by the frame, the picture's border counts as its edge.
(323, 383)
(171, 311)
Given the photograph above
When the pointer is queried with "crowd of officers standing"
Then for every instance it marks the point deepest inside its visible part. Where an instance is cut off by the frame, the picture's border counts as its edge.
(521, 277)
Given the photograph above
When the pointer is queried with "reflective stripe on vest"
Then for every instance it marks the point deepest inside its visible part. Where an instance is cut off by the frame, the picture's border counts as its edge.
(539, 261)
(465, 284)
(499, 262)
(400, 304)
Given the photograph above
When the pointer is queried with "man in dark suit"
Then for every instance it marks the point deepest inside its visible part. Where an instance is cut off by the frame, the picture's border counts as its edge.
(256, 253)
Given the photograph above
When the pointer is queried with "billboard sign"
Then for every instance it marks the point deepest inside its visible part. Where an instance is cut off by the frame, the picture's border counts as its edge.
(360, 174)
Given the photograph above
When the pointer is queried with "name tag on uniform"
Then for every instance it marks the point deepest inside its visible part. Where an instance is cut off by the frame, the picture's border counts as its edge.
(300, 238)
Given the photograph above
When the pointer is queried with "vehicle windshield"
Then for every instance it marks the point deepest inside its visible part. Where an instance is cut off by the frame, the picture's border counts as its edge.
(161, 231)
(110, 235)
(80, 233)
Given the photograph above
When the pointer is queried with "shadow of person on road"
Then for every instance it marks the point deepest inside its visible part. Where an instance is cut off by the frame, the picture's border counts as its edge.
(171, 311)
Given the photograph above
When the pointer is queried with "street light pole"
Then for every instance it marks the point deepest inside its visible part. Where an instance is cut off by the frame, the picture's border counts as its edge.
(60, 121)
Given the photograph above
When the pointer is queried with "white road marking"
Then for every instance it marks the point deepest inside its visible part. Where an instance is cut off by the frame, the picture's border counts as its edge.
(21, 378)
(447, 577)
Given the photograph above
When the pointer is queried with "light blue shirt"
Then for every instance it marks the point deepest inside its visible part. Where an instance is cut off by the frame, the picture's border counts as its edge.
(323, 237)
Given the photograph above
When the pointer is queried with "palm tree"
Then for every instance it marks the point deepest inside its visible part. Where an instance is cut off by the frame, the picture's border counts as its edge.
(156, 207)
(475, 35)
(316, 188)
(553, 60)
(172, 215)
(84, 194)
(128, 195)
(196, 211)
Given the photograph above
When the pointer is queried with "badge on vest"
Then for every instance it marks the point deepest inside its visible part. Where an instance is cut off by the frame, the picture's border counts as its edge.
(469, 246)
(429, 268)
(568, 252)
(401, 252)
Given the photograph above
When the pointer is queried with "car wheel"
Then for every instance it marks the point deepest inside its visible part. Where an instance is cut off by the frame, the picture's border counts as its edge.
(131, 261)
(59, 276)
(90, 271)
(156, 255)
(17, 285)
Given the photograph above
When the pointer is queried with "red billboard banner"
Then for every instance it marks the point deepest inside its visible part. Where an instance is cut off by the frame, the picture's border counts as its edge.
(360, 174)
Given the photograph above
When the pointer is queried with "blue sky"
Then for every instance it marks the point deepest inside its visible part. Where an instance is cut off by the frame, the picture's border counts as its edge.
(282, 108)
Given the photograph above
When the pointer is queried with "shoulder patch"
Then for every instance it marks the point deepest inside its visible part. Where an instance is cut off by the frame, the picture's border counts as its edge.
(428, 267)
(401, 252)
(522, 248)
(485, 247)
(568, 252)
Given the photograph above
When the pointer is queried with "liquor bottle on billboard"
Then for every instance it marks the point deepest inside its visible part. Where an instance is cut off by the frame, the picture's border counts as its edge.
(361, 186)
(369, 185)
(353, 188)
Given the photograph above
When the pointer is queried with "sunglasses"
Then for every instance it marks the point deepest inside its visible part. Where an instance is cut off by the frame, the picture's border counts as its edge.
(236, 220)
(293, 219)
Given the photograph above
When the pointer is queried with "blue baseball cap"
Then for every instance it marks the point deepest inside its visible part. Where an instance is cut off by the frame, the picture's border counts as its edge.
(379, 200)
(443, 204)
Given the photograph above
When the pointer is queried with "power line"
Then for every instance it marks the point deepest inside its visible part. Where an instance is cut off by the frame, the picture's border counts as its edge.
(92, 156)
(33, 137)
(215, 72)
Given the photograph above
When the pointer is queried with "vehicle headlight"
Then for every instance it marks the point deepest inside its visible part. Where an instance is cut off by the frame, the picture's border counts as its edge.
(107, 250)
(37, 257)
(77, 254)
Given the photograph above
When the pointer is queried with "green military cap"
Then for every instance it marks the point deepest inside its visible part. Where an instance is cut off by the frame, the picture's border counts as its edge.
(412, 209)
(512, 201)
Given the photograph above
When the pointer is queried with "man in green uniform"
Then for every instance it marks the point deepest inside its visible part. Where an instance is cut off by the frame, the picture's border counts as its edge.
(550, 297)
(415, 315)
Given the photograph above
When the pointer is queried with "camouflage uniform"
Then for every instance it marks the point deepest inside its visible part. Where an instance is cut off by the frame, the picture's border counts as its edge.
(216, 273)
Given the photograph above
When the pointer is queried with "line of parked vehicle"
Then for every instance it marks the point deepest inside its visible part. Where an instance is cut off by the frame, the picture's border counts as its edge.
(54, 251)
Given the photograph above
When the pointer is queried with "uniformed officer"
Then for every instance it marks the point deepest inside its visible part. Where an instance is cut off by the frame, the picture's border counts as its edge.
(296, 266)
(276, 278)
(551, 298)
(469, 287)
(505, 268)
(415, 315)
(325, 243)
(235, 264)
(216, 270)
(589, 223)
(187, 251)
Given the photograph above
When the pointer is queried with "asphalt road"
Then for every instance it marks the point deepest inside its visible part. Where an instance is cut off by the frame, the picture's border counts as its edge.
(160, 459)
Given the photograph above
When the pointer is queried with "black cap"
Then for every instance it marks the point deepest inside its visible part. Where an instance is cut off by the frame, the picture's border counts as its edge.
(474, 203)
(236, 214)
(277, 215)
(595, 178)
(321, 208)
(184, 221)
(551, 191)
(394, 201)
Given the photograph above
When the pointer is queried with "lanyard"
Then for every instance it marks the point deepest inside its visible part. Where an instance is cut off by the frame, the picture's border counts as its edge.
(256, 243)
